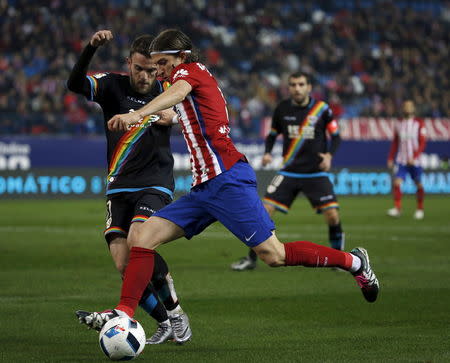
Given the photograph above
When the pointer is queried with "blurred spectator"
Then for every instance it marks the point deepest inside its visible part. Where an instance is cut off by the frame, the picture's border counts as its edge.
(366, 56)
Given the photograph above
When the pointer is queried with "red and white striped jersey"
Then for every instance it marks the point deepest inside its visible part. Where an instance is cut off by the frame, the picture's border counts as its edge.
(409, 141)
(204, 120)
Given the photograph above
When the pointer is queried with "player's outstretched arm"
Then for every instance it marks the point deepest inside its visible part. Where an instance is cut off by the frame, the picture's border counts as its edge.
(393, 150)
(77, 81)
(174, 95)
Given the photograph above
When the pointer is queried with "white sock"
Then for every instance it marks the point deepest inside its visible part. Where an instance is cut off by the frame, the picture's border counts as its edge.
(177, 311)
(356, 263)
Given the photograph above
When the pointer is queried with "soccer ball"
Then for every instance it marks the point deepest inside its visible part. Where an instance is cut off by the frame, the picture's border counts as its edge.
(122, 338)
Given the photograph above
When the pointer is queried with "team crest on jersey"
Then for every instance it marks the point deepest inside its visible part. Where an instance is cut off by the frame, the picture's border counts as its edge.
(180, 73)
(312, 120)
(99, 75)
(225, 130)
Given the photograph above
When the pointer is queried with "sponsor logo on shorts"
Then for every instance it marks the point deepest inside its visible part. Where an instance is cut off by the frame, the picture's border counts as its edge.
(326, 197)
(147, 209)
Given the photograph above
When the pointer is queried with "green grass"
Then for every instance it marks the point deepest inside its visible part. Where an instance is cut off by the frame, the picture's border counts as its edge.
(53, 261)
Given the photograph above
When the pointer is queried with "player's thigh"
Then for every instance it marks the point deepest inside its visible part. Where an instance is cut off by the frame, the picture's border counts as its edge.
(119, 250)
(400, 172)
(416, 174)
(281, 192)
(320, 193)
(189, 212)
(156, 231)
(146, 203)
(270, 209)
(271, 251)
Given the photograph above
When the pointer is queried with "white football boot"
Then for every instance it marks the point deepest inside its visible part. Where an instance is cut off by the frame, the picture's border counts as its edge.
(419, 214)
(393, 212)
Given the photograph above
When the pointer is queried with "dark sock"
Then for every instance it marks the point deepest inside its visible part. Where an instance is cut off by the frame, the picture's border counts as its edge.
(252, 255)
(336, 236)
(152, 305)
(163, 283)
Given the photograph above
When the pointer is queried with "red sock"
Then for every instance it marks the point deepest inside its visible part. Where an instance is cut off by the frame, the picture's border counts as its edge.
(397, 197)
(420, 194)
(309, 254)
(137, 276)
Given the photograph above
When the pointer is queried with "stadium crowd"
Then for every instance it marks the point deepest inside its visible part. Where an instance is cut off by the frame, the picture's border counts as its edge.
(365, 56)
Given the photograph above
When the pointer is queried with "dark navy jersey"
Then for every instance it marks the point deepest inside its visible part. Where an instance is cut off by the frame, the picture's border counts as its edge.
(304, 131)
(140, 157)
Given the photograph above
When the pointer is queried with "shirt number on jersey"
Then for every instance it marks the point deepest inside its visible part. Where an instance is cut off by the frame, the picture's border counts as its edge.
(275, 183)
(293, 131)
(108, 214)
(307, 131)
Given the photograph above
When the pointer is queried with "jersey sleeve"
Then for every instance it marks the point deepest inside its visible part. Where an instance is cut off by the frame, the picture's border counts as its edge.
(275, 129)
(98, 85)
(331, 123)
(394, 145)
(422, 140)
(332, 128)
(192, 73)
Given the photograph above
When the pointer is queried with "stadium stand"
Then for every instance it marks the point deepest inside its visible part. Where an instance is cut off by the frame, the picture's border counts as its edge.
(366, 56)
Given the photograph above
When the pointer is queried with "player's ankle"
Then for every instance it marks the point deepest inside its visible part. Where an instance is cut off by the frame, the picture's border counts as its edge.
(177, 311)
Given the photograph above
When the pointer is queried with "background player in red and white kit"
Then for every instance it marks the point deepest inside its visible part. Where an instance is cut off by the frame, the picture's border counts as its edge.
(305, 124)
(140, 170)
(407, 146)
(224, 185)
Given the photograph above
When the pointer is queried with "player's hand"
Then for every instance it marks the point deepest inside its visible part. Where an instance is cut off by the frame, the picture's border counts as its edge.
(390, 164)
(124, 121)
(325, 165)
(101, 37)
(266, 159)
(410, 162)
(166, 117)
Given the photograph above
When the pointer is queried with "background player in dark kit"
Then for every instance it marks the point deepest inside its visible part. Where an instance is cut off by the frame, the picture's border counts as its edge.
(304, 124)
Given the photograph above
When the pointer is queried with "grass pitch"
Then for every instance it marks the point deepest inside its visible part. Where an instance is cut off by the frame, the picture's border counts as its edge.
(54, 261)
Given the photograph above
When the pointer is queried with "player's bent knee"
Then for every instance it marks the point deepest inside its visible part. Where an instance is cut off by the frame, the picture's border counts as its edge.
(332, 216)
(272, 261)
(271, 252)
(398, 182)
(121, 266)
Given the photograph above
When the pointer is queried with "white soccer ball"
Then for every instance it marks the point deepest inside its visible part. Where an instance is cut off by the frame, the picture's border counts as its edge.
(122, 338)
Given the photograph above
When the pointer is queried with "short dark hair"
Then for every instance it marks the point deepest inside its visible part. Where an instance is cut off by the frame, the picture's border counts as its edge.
(174, 39)
(141, 45)
(301, 74)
